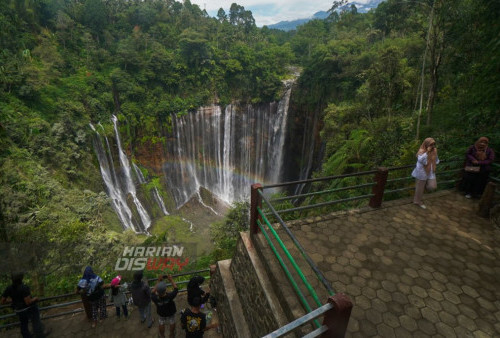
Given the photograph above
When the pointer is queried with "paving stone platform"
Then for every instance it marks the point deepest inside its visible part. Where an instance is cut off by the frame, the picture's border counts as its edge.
(409, 272)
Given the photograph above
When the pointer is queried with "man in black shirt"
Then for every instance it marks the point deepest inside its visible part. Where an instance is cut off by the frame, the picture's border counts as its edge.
(165, 305)
(194, 290)
(193, 321)
(24, 305)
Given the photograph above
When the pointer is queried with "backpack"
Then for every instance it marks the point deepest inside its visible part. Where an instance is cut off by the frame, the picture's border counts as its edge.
(93, 288)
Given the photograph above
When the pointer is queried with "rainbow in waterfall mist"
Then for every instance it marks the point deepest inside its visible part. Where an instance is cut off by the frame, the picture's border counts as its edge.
(222, 150)
(226, 151)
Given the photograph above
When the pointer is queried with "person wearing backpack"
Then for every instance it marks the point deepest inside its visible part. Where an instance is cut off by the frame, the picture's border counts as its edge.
(24, 305)
(81, 289)
(141, 296)
(95, 294)
(165, 305)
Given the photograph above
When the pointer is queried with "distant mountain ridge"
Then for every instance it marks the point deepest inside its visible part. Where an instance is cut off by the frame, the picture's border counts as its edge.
(321, 15)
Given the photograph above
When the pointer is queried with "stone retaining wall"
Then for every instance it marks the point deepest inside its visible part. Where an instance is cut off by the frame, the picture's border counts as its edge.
(257, 310)
(217, 290)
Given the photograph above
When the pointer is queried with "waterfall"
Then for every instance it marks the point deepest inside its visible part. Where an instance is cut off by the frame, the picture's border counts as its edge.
(279, 135)
(160, 202)
(307, 151)
(130, 187)
(226, 151)
(223, 150)
(156, 193)
(118, 198)
(138, 173)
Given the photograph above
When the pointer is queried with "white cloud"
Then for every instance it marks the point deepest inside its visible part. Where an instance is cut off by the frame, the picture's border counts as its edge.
(267, 12)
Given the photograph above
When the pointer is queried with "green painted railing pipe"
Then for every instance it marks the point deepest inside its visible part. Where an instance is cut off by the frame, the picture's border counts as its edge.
(303, 299)
(322, 192)
(290, 258)
(308, 259)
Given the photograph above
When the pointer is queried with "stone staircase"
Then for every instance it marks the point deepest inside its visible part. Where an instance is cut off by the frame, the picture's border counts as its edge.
(254, 296)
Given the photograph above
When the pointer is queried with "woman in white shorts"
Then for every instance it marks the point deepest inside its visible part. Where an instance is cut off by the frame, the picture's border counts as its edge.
(425, 170)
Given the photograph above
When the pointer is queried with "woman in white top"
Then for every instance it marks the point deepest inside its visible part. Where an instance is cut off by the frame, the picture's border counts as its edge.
(425, 170)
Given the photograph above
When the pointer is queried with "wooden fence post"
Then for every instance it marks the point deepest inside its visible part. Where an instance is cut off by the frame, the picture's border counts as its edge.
(337, 318)
(255, 201)
(213, 270)
(378, 188)
(486, 201)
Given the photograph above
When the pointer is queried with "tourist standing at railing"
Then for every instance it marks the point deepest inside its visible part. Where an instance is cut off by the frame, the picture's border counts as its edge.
(117, 296)
(478, 160)
(24, 305)
(425, 170)
(95, 294)
(165, 305)
(141, 295)
(81, 289)
(194, 290)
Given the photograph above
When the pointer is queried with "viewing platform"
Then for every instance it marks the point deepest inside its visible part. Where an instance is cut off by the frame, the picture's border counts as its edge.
(409, 272)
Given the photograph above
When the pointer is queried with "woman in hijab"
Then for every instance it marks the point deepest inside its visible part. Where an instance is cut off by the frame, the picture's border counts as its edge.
(94, 289)
(481, 156)
(81, 289)
(425, 170)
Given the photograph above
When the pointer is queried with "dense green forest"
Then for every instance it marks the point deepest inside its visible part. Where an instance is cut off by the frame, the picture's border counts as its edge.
(380, 83)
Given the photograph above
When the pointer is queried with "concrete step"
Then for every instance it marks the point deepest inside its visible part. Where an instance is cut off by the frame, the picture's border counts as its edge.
(230, 311)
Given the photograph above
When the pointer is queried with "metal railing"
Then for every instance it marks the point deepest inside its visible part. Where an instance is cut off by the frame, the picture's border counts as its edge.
(73, 294)
(323, 193)
(496, 171)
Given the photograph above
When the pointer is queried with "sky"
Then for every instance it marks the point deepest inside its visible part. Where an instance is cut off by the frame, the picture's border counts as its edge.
(268, 12)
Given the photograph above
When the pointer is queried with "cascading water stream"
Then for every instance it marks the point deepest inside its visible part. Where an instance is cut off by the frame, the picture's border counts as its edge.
(118, 199)
(225, 152)
(138, 174)
(143, 214)
(156, 193)
(222, 151)
(279, 135)
(160, 202)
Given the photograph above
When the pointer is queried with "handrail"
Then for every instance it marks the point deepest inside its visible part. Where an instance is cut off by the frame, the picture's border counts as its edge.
(285, 268)
(361, 173)
(301, 321)
(259, 216)
(59, 305)
(350, 199)
(318, 273)
(312, 206)
(406, 178)
(321, 192)
(76, 302)
(67, 295)
(290, 258)
(55, 315)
